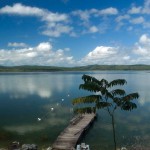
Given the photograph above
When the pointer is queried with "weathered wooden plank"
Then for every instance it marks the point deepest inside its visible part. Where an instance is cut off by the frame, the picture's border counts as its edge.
(68, 139)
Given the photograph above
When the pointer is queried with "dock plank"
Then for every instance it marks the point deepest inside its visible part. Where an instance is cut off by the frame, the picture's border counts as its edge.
(68, 138)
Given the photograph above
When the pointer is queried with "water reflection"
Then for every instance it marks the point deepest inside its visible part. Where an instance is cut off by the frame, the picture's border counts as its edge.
(137, 81)
(26, 97)
(51, 118)
(21, 86)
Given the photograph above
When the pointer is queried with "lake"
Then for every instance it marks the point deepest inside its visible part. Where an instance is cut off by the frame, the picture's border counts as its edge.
(36, 107)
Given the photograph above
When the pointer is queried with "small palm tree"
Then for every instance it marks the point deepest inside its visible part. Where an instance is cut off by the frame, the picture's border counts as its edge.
(106, 96)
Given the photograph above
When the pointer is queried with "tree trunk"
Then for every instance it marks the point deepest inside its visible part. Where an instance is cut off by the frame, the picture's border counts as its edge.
(114, 133)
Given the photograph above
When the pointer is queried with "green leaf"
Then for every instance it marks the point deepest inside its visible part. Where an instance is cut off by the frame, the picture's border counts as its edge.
(118, 101)
(90, 86)
(88, 78)
(84, 110)
(86, 99)
(129, 106)
(130, 97)
(104, 82)
(118, 92)
(117, 82)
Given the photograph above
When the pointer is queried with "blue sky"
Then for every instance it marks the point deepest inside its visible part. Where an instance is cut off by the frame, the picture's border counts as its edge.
(74, 32)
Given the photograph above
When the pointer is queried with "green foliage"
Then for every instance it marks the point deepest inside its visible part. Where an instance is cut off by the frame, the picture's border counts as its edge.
(106, 97)
(128, 106)
(87, 99)
(84, 110)
(117, 82)
(118, 92)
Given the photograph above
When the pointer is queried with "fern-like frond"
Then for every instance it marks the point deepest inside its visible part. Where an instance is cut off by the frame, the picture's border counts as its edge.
(104, 82)
(88, 78)
(86, 99)
(117, 82)
(129, 106)
(90, 86)
(118, 92)
(84, 110)
(117, 101)
(130, 97)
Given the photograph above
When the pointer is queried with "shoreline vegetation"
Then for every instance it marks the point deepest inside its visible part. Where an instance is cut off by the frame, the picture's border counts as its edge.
(28, 68)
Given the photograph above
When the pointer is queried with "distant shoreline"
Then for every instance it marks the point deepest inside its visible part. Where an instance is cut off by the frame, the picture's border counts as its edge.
(78, 68)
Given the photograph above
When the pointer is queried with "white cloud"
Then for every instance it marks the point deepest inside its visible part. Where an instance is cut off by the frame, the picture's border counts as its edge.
(56, 19)
(42, 54)
(135, 10)
(101, 51)
(136, 15)
(57, 30)
(87, 14)
(144, 39)
(107, 55)
(139, 20)
(145, 9)
(109, 11)
(101, 55)
(122, 17)
(93, 29)
(142, 48)
(45, 46)
(57, 24)
(83, 14)
(15, 44)
(19, 9)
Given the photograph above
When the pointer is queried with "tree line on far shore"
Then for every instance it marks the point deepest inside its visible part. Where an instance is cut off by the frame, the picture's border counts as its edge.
(29, 68)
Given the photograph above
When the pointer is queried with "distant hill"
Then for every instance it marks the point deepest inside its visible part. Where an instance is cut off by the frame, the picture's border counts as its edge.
(79, 68)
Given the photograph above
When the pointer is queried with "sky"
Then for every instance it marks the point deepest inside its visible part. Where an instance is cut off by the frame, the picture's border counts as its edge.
(74, 32)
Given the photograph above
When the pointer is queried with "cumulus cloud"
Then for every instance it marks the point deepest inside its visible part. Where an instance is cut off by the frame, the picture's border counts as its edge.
(144, 39)
(122, 17)
(83, 14)
(42, 54)
(142, 48)
(135, 10)
(145, 9)
(101, 52)
(57, 20)
(45, 46)
(19, 9)
(108, 55)
(109, 11)
(138, 20)
(105, 55)
(86, 14)
(57, 29)
(93, 29)
(15, 44)
(136, 15)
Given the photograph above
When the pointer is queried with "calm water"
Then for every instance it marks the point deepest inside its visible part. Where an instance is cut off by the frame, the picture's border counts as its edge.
(25, 97)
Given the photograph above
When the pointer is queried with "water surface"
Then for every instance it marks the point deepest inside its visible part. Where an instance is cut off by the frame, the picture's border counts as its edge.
(25, 97)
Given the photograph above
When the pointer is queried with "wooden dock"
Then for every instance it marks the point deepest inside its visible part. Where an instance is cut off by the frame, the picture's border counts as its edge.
(68, 139)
